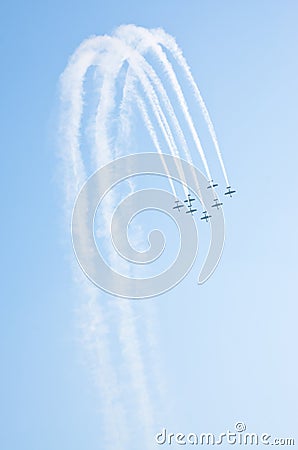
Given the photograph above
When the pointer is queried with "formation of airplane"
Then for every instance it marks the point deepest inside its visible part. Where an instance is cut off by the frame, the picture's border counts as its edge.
(189, 200)
(191, 210)
(205, 216)
(212, 184)
(178, 205)
(217, 204)
(229, 192)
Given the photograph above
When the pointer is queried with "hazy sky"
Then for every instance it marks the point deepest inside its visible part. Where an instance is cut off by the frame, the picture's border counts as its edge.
(228, 348)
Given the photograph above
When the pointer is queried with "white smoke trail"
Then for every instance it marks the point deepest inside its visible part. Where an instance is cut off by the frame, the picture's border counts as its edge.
(149, 40)
(75, 173)
(138, 37)
(142, 107)
(169, 42)
(95, 333)
(141, 67)
(168, 135)
(127, 329)
(108, 55)
(170, 110)
(128, 336)
(106, 103)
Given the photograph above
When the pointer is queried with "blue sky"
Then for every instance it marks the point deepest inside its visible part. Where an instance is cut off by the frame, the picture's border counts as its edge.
(228, 347)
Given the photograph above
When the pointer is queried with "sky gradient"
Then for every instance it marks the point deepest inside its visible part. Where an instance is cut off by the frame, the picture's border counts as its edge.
(228, 347)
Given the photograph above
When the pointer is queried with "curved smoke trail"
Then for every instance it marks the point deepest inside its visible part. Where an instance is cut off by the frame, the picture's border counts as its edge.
(142, 87)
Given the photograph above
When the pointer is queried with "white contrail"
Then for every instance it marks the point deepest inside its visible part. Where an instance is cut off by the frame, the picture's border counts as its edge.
(169, 42)
(170, 110)
(108, 55)
(147, 36)
(106, 103)
(95, 335)
(142, 107)
(102, 139)
(72, 109)
(141, 67)
(136, 62)
(134, 34)
(102, 154)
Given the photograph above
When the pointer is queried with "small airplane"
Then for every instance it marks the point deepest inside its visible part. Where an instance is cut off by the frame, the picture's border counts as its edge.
(229, 192)
(178, 205)
(205, 216)
(212, 184)
(191, 210)
(189, 200)
(217, 204)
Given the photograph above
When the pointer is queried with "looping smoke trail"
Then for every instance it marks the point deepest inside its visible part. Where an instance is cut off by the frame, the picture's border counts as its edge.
(150, 43)
(152, 40)
(170, 43)
(143, 90)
